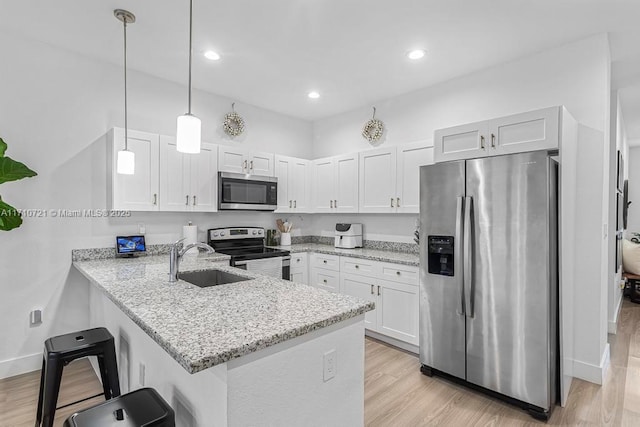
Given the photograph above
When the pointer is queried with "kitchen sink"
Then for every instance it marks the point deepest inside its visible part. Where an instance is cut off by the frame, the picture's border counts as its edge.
(206, 278)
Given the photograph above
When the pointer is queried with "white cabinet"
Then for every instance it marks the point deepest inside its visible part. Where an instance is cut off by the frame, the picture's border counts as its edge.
(390, 178)
(137, 192)
(394, 290)
(188, 182)
(530, 131)
(240, 160)
(300, 268)
(324, 272)
(293, 184)
(335, 184)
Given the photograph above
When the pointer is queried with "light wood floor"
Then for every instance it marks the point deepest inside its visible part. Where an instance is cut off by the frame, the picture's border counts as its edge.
(397, 395)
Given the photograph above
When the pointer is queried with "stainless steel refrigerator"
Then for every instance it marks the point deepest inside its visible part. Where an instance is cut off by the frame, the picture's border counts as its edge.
(489, 276)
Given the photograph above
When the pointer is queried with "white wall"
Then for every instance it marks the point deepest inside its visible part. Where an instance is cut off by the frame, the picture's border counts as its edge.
(634, 189)
(576, 75)
(54, 106)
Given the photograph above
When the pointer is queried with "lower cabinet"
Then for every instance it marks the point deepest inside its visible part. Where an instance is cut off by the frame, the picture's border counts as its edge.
(300, 268)
(396, 313)
(322, 278)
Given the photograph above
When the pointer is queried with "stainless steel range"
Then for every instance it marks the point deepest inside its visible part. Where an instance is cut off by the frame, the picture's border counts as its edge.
(246, 247)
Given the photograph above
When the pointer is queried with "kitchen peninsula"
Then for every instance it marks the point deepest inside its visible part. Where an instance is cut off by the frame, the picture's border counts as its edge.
(262, 351)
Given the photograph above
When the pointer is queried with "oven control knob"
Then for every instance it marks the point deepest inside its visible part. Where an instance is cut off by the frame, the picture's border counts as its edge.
(215, 234)
(260, 232)
(222, 234)
(255, 232)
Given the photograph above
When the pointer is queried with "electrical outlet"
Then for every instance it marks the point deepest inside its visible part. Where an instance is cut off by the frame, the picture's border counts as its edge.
(141, 373)
(329, 365)
(141, 228)
(35, 317)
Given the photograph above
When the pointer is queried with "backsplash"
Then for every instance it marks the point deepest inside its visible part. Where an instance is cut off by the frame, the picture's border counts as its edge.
(411, 248)
(105, 253)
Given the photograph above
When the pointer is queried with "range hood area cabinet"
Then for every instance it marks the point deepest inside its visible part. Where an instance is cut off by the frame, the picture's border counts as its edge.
(188, 182)
(140, 191)
(335, 184)
(239, 160)
(530, 131)
(390, 178)
(294, 184)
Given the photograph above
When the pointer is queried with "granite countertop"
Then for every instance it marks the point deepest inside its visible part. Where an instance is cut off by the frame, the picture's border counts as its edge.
(372, 254)
(204, 327)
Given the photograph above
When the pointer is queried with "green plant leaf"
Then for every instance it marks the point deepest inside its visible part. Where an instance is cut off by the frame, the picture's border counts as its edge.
(3, 147)
(10, 218)
(11, 170)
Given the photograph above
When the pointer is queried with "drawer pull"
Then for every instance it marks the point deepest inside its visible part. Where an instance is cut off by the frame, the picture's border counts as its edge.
(325, 280)
(298, 260)
(357, 266)
(398, 273)
(325, 261)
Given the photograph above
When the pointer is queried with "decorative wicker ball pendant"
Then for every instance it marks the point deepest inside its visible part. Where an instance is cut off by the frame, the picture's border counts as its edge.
(233, 123)
(373, 129)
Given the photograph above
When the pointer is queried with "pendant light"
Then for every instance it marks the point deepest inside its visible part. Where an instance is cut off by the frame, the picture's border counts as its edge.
(126, 159)
(189, 126)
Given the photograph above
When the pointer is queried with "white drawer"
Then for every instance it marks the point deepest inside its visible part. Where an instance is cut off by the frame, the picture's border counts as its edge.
(400, 273)
(298, 260)
(325, 279)
(360, 266)
(330, 262)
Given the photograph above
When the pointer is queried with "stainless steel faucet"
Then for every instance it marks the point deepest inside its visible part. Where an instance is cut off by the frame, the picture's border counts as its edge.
(175, 256)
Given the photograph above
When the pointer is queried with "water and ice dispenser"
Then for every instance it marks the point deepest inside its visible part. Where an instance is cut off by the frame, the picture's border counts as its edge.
(440, 255)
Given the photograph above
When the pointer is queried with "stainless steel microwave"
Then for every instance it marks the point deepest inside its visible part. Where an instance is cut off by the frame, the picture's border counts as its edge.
(237, 191)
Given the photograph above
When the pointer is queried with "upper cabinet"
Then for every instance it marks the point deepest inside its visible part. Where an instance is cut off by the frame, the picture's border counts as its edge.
(240, 160)
(188, 182)
(140, 191)
(335, 184)
(534, 130)
(294, 186)
(390, 178)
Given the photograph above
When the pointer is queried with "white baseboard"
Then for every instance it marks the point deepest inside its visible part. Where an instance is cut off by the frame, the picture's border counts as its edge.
(593, 373)
(394, 342)
(20, 365)
(612, 327)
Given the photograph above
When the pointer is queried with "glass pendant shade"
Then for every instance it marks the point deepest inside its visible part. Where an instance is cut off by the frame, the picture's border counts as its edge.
(126, 162)
(188, 134)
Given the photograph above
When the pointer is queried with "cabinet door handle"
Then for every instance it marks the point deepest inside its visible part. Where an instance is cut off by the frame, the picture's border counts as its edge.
(335, 203)
(392, 203)
(244, 165)
(251, 165)
(187, 203)
(295, 204)
(331, 203)
(482, 141)
(372, 290)
(194, 200)
(493, 141)
(398, 202)
(378, 289)
(155, 199)
(289, 204)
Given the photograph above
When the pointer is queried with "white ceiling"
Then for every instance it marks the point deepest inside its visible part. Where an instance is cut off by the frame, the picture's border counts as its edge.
(351, 51)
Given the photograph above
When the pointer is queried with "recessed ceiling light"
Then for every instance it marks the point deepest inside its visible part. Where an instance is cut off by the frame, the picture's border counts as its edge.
(214, 56)
(415, 54)
(313, 95)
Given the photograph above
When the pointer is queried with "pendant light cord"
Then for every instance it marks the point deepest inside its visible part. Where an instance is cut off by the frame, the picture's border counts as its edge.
(126, 136)
(190, 48)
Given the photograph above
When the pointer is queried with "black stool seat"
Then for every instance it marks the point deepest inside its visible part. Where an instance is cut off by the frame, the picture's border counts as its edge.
(59, 351)
(141, 408)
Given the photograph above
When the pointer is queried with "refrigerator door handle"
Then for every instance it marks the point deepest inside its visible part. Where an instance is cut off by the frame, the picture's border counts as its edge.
(459, 255)
(467, 276)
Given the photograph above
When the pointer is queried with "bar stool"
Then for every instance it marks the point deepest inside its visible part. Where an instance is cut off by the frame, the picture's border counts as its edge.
(60, 351)
(141, 408)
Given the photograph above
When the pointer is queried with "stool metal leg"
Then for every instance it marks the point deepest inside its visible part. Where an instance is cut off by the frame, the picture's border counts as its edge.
(40, 393)
(109, 373)
(52, 380)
